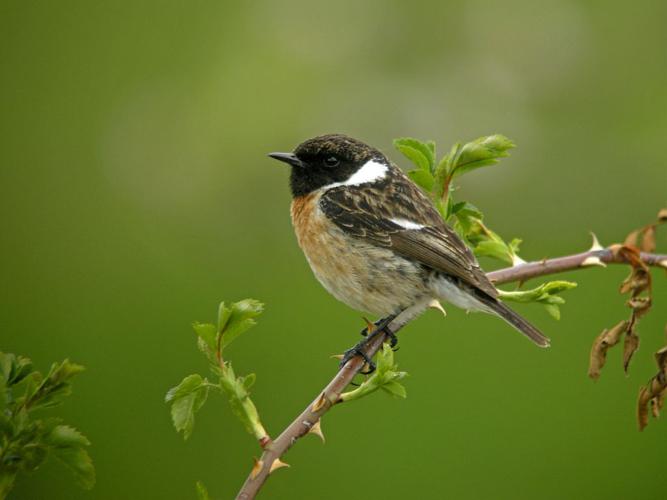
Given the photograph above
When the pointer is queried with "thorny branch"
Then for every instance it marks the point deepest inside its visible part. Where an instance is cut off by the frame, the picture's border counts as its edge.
(309, 420)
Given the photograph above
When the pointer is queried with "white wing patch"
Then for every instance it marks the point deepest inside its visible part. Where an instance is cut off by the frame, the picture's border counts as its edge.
(370, 171)
(406, 224)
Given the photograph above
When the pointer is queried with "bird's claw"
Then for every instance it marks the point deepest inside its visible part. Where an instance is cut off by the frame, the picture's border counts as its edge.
(358, 350)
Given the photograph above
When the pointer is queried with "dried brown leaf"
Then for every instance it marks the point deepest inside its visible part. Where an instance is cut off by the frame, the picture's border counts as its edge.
(660, 400)
(602, 343)
(648, 239)
(640, 306)
(656, 404)
(631, 254)
(654, 392)
(630, 346)
(642, 407)
(631, 239)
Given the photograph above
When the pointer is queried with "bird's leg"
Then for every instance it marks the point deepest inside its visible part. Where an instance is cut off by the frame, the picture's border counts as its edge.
(379, 328)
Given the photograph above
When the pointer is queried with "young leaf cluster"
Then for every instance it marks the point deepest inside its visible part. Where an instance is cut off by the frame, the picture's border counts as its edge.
(546, 294)
(26, 441)
(385, 377)
(436, 178)
(188, 397)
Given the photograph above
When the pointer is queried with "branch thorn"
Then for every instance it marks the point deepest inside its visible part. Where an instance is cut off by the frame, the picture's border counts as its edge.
(316, 429)
(370, 326)
(517, 261)
(596, 243)
(277, 464)
(256, 469)
(593, 260)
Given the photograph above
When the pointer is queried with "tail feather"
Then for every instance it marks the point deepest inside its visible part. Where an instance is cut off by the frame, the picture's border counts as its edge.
(515, 320)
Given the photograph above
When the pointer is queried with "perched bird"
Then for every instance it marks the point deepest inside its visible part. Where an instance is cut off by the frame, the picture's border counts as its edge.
(376, 242)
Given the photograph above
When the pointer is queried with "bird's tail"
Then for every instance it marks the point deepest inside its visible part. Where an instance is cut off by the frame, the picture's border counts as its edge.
(515, 320)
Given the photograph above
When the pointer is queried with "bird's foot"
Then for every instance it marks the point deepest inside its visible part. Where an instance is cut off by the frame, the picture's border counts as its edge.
(380, 325)
(370, 332)
(358, 350)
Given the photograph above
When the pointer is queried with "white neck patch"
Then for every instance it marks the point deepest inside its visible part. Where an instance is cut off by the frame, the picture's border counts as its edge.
(370, 171)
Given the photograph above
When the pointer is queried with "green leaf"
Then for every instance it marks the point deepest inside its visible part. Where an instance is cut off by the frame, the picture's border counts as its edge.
(386, 376)
(14, 368)
(466, 215)
(186, 399)
(422, 178)
(442, 173)
(238, 319)
(26, 442)
(66, 436)
(514, 246)
(79, 462)
(431, 147)
(68, 446)
(395, 389)
(32, 454)
(249, 381)
(6, 363)
(481, 152)
(6, 424)
(236, 389)
(207, 333)
(441, 208)
(420, 153)
(52, 389)
(224, 313)
(546, 294)
(447, 162)
(553, 310)
(494, 248)
(202, 492)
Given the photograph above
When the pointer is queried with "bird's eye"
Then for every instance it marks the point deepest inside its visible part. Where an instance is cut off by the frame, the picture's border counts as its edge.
(331, 161)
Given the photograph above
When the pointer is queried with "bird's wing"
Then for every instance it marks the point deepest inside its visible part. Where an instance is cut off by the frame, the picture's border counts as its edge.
(394, 213)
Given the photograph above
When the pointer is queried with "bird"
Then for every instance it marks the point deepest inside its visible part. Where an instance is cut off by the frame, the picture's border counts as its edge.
(376, 242)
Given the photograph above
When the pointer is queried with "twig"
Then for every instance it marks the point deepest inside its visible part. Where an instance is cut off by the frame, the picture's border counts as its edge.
(529, 270)
(310, 417)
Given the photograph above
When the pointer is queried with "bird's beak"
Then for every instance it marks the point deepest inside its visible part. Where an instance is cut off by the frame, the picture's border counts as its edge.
(288, 158)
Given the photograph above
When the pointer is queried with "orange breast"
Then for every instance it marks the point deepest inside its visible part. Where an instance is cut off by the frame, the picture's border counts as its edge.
(306, 225)
(320, 240)
(362, 275)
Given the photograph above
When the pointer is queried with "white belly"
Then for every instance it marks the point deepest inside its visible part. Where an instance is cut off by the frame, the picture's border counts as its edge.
(445, 289)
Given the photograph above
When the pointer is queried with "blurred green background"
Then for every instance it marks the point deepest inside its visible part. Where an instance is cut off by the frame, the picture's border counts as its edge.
(135, 195)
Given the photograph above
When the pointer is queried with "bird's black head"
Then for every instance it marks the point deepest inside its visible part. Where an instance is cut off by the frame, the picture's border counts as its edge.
(326, 159)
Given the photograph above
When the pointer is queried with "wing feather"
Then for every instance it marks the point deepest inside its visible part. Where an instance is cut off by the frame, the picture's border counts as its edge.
(366, 211)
